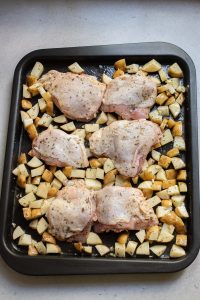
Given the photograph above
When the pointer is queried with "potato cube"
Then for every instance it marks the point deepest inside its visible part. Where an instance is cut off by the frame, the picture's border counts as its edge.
(67, 171)
(171, 174)
(34, 111)
(155, 154)
(161, 175)
(180, 99)
(32, 251)
(111, 119)
(175, 71)
(25, 240)
(35, 162)
(182, 187)
(173, 190)
(141, 235)
(172, 219)
(93, 239)
(147, 193)
(26, 93)
(147, 175)
(155, 117)
(45, 120)
(120, 64)
(181, 240)
(60, 119)
(18, 232)
(33, 224)
(167, 137)
(163, 75)
(173, 152)
(178, 163)
(154, 169)
(106, 79)
(102, 249)
(60, 176)
(80, 133)
(110, 176)
(163, 194)
(181, 211)
(143, 249)
(178, 200)
(36, 204)
(166, 203)
(25, 200)
(179, 143)
(156, 186)
(68, 127)
(175, 109)
(123, 238)
(102, 119)
(21, 181)
(52, 191)
(37, 70)
(145, 185)
(31, 79)
(131, 247)
(22, 170)
(151, 202)
(48, 238)
(77, 173)
(152, 233)
(158, 250)
(108, 165)
(177, 129)
(42, 226)
(176, 251)
(42, 105)
(93, 184)
(76, 68)
(167, 183)
(47, 176)
(87, 249)
(41, 248)
(91, 173)
(163, 110)
(164, 161)
(120, 250)
(182, 175)
(36, 180)
(165, 236)
(152, 66)
(99, 173)
(132, 69)
(56, 184)
(161, 98)
(118, 73)
(161, 211)
(32, 131)
(37, 171)
(42, 190)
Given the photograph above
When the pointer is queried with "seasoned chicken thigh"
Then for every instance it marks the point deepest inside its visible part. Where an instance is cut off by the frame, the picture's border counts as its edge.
(72, 212)
(130, 96)
(77, 96)
(122, 208)
(60, 149)
(127, 143)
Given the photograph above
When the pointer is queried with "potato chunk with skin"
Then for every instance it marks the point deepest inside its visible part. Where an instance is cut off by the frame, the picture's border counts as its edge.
(152, 66)
(175, 71)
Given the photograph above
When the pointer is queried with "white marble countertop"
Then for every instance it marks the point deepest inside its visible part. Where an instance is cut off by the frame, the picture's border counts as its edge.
(29, 25)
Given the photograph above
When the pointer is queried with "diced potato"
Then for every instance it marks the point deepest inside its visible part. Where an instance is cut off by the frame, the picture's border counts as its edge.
(87, 249)
(161, 211)
(175, 109)
(180, 99)
(76, 68)
(120, 64)
(60, 176)
(42, 105)
(48, 238)
(26, 93)
(171, 174)
(173, 190)
(182, 175)
(168, 183)
(37, 70)
(118, 73)
(42, 226)
(36, 204)
(22, 159)
(163, 110)
(24, 115)
(175, 71)
(21, 181)
(132, 69)
(33, 224)
(131, 247)
(36, 213)
(177, 251)
(68, 127)
(78, 246)
(154, 169)
(37, 171)
(32, 131)
(52, 191)
(173, 152)
(106, 79)
(123, 238)
(163, 75)
(152, 66)
(166, 203)
(18, 232)
(120, 180)
(152, 233)
(158, 250)
(143, 249)
(151, 202)
(163, 194)
(102, 249)
(67, 171)
(99, 173)
(108, 165)
(95, 163)
(141, 72)
(42, 190)
(45, 120)
(135, 179)
(179, 143)
(34, 162)
(164, 161)
(111, 119)
(77, 173)
(178, 200)
(178, 163)
(141, 235)
(60, 119)
(156, 186)
(150, 161)
(161, 98)
(36, 180)
(120, 250)
(91, 127)
(33, 89)
(34, 111)
(145, 185)
(32, 251)
(26, 104)
(161, 175)
(181, 211)
(56, 184)
(171, 123)
(80, 133)
(147, 193)
(172, 219)
(147, 175)
(27, 199)
(93, 184)
(181, 240)
(91, 173)
(102, 119)
(25, 240)
(177, 129)
(165, 236)
(22, 170)
(27, 213)
(47, 176)
(93, 239)
(31, 79)
(156, 80)
(41, 248)
(171, 100)
(182, 187)
(155, 117)
(167, 137)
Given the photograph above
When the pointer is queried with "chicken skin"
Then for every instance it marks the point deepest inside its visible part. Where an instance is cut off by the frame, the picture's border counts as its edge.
(127, 143)
(122, 208)
(130, 96)
(77, 96)
(72, 213)
(60, 149)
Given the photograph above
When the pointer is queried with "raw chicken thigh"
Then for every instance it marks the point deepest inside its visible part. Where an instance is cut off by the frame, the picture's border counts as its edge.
(127, 143)
(130, 96)
(72, 212)
(122, 208)
(60, 149)
(77, 96)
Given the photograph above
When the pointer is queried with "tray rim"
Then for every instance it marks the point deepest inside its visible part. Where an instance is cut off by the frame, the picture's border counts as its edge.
(90, 265)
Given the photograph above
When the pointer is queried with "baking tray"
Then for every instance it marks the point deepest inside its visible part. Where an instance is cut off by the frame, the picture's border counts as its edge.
(96, 60)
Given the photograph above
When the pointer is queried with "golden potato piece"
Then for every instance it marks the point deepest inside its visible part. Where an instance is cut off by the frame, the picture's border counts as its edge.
(32, 131)
(120, 64)
(181, 240)
(177, 129)
(48, 238)
(175, 71)
(52, 192)
(123, 238)
(152, 66)
(118, 73)
(31, 79)
(173, 152)
(172, 219)
(171, 174)
(164, 161)
(182, 175)
(22, 159)
(161, 98)
(26, 104)
(47, 176)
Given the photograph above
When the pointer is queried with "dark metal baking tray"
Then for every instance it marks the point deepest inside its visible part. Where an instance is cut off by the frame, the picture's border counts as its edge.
(96, 59)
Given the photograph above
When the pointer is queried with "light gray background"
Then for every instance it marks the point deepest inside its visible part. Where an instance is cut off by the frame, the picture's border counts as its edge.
(29, 25)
